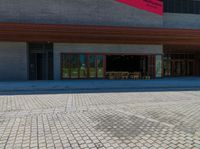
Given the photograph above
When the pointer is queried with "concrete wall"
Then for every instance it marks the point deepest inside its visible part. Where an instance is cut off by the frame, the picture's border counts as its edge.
(178, 20)
(13, 61)
(100, 48)
(90, 12)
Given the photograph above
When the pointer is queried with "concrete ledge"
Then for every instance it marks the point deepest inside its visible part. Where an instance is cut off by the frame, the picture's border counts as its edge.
(160, 84)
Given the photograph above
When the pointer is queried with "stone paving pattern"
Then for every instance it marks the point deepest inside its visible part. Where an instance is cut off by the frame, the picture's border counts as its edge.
(145, 120)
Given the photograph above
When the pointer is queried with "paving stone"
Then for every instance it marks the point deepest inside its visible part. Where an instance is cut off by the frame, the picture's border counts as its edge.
(101, 120)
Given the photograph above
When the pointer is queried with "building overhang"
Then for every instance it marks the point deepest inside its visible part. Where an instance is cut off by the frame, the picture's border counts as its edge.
(97, 34)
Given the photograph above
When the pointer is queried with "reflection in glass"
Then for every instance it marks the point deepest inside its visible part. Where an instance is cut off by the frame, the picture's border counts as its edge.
(83, 66)
(179, 68)
(158, 66)
(167, 67)
(92, 66)
(66, 67)
(74, 66)
(100, 69)
(190, 68)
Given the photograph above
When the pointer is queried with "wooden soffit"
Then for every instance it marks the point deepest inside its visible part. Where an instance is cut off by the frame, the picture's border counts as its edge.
(97, 34)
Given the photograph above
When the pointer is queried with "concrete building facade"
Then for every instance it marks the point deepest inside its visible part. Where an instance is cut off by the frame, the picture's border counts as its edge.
(25, 57)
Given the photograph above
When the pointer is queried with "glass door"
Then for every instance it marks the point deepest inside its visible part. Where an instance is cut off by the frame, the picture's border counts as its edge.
(74, 66)
(167, 67)
(40, 61)
(83, 66)
(100, 66)
(179, 67)
(92, 66)
(190, 68)
(66, 66)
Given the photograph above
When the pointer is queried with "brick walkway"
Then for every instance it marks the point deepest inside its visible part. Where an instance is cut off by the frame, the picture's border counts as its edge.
(101, 120)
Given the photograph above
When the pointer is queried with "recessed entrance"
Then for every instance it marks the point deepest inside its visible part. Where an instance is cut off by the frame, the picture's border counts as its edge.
(40, 61)
(126, 63)
(181, 61)
(130, 66)
(98, 66)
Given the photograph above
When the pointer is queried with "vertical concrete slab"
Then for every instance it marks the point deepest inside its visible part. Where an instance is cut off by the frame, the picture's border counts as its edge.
(13, 61)
(181, 20)
(82, 12)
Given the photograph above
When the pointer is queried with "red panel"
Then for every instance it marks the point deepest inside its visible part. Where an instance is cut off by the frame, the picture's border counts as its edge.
(154, 6)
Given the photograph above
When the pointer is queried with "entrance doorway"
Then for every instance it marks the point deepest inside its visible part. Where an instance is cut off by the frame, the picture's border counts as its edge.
(130, 66)
(127, 63)
(183, 67)
(179, 68)
(40, 61)
(179, 65)
(190, 68)
(99, 66)
(181, 60)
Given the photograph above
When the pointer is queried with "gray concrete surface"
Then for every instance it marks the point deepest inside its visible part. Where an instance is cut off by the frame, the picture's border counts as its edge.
(181, 20)
(13, 61)
(90, 12)
(85, 12)
(129, 120)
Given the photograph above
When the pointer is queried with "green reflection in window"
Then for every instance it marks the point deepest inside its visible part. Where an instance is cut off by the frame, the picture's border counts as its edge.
(92, 66)
(74, 66)
(100, 69)
(66, 67)
(83, 66)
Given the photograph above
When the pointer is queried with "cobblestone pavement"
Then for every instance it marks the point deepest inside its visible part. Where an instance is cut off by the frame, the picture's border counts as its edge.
(101, 120)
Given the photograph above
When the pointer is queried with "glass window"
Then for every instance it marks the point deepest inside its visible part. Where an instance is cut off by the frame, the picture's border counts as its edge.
(167, 67)
(158, 66)
(66, 66)
(100, 68)
(92, 66)
(74, 66)
(83, 66)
